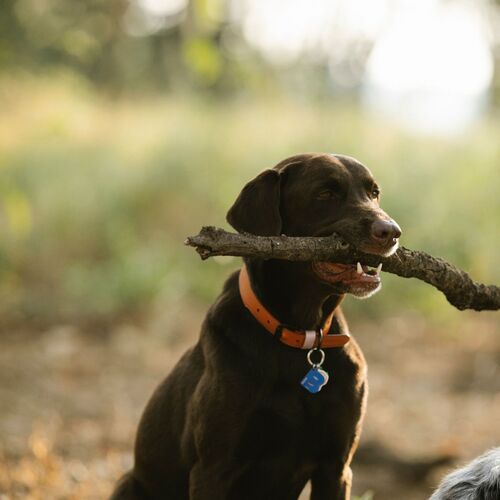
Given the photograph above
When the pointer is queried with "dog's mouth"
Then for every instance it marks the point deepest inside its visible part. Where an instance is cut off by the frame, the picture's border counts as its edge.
(358, 279)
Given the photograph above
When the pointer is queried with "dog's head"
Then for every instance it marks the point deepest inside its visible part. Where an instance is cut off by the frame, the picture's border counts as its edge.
(318, 195)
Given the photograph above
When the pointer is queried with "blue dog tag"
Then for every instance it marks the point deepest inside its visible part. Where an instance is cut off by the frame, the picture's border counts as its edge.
(314, 380)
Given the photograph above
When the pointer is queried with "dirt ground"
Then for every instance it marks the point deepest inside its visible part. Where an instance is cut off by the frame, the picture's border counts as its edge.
(70, 401)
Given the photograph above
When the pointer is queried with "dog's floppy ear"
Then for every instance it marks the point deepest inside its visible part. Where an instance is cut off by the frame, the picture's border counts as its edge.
(256, 210)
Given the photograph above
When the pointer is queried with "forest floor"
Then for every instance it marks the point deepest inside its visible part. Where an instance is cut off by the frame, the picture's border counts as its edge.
(70, 402)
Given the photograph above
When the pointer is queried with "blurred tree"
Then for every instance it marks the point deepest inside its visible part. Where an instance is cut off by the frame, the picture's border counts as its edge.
(83, 36)
(116, 43)
(165, 44)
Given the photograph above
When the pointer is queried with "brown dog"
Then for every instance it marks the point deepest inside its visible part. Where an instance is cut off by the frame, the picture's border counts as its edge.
(232, 420)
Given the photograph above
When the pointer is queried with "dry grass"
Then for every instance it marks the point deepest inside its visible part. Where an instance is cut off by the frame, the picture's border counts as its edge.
(71, 400)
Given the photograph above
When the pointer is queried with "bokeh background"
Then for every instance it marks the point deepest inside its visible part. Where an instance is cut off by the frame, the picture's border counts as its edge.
(126, 125)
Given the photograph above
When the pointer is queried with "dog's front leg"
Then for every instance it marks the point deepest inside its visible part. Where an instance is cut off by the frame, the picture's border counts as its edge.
(260, 480)
(331, 482)
(209, 482)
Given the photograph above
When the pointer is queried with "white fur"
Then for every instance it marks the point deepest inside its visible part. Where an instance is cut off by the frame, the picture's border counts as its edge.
(364, 294)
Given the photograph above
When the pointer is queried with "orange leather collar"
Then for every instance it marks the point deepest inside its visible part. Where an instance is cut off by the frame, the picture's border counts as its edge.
(307, 339)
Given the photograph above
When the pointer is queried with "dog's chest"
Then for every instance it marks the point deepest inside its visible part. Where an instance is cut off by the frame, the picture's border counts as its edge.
(296, 425)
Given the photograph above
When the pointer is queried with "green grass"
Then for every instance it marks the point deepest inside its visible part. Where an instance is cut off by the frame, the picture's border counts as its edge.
(98, 196)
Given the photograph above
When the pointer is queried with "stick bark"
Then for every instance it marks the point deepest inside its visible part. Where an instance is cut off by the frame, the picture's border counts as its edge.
(459, 289)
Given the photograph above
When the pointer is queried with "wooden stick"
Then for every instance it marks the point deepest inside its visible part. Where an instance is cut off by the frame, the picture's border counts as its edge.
(457, 286)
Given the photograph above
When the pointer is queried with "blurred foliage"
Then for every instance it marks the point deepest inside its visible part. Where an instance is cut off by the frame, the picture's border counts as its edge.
(97, 196)
(119, 44)
(156, 45)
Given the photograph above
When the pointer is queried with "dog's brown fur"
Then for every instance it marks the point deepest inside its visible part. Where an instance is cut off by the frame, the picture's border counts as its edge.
(231, 421)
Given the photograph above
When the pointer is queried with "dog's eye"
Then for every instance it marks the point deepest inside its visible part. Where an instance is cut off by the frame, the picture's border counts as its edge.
(375, 192)
(327, 194)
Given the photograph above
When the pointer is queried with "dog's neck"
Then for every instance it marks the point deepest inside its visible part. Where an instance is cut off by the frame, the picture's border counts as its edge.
(291, 293)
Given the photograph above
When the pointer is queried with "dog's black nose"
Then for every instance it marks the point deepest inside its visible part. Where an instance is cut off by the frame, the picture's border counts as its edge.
(385, 231)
